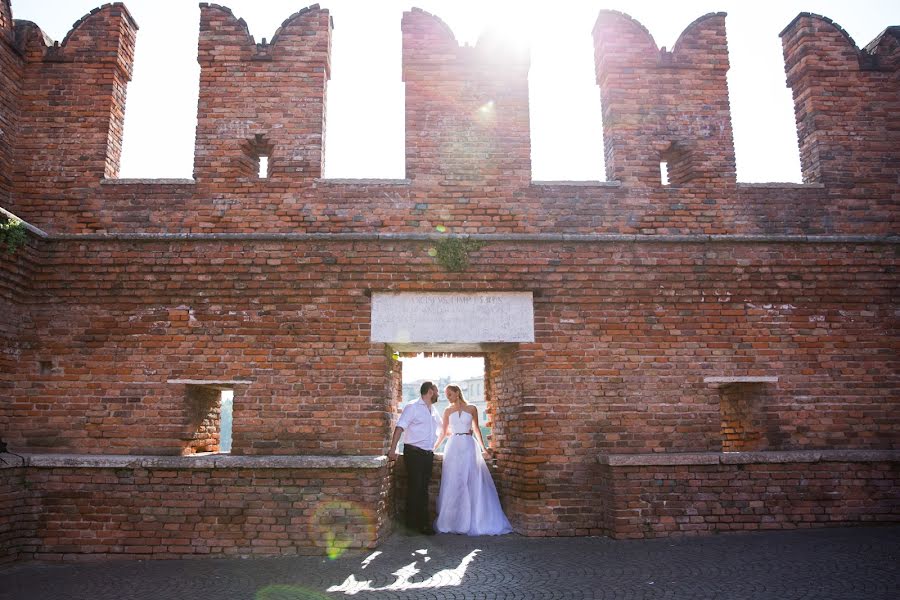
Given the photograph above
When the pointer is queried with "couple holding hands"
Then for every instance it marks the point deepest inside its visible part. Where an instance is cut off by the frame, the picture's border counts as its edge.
(467, 502)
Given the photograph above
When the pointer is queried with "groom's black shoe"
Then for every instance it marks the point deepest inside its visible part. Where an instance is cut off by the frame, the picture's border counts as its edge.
(427, 531)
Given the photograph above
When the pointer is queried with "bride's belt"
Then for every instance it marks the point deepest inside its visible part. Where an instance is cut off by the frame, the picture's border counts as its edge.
(466, 433)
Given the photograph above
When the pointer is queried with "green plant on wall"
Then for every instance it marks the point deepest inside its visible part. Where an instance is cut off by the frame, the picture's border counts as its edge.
(12, 235)
(453, 253)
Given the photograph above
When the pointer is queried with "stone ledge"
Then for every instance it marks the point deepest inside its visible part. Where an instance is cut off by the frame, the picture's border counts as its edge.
(205, 461)
(572, 183)
(586, 238)
(782, 185)
(36, 231)
(136, 180)
(364, 181)
(211, 382)
(810, 456)
(637, 460)
(744, 458)
(739, 379)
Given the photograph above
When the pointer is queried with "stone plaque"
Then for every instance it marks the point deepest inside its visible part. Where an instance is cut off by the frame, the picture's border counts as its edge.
(457, 320)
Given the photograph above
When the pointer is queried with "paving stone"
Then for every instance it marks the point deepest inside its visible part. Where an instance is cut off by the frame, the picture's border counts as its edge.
(825, 564)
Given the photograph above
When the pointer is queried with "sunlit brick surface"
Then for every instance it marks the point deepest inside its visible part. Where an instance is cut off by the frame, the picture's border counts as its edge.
(642, 292)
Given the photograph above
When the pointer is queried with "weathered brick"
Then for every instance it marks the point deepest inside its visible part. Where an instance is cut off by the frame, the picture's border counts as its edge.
(125, 295)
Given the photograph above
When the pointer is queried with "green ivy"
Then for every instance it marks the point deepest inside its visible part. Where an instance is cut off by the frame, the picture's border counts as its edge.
(12, 235)
(453, 252)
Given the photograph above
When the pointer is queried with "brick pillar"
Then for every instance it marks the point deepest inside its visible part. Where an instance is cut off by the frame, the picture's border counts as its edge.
(261, 99)
(10, 80)
(71, 108)
(664, 106)
(846, 102)
(466, 108)
(519, 447)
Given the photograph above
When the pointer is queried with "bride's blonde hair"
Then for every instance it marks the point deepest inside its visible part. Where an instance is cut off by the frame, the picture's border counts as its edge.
(456, 389)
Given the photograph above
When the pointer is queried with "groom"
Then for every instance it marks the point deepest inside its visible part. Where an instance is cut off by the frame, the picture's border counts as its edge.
(421, 424)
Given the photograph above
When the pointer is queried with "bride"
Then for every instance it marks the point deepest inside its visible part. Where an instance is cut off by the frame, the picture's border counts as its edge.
(467, 502)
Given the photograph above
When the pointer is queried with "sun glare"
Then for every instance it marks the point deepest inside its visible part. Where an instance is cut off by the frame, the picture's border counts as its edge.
(442, 578)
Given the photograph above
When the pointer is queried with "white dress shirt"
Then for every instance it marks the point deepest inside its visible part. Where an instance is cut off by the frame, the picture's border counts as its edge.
(421, 425)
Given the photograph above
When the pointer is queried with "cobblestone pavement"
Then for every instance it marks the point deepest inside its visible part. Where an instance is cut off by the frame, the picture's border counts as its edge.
(820, 564)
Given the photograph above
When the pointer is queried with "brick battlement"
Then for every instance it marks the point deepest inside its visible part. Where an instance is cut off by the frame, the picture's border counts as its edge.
(845, 102)
(467, 134)
(879, 54)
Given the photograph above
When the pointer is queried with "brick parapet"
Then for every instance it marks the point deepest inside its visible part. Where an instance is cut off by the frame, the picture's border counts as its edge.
(846, 103)
(662, 500)
(70, 110)
(264, 99)
(661, 106)
(324, 206)
(447, 184)
(883, 52)
(466, 107)
(168, 510)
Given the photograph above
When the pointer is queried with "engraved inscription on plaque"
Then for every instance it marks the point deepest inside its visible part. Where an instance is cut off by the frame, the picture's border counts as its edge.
(452, 318)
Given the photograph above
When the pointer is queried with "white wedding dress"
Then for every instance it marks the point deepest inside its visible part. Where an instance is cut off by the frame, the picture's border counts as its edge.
(467, 502)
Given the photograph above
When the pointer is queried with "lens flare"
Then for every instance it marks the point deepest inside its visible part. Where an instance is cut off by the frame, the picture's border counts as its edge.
(340, 525)
(287, 592)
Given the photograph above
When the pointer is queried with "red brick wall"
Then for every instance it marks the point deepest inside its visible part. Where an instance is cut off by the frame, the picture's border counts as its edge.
(10, 77)
(660, 105)
(629, 319)
(480, 184)
(16, 277)
(168, 512)
(119, 320)
(466, 107)
(846, 103)
(71, 112)
(659, 501)
(18, 513)
(266, 206)
(504, 397)
(546, 454)
(261, 97)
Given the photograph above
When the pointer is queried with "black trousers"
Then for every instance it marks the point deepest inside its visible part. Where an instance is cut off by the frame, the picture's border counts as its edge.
(418, 476)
